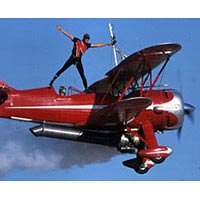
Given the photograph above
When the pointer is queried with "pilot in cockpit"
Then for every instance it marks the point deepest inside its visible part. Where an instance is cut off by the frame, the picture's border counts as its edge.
(62, 91)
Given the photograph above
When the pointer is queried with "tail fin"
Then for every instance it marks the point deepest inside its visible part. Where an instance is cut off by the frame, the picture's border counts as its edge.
(4, 90)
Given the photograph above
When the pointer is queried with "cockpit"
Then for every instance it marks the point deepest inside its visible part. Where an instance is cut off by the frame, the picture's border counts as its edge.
(71, 90)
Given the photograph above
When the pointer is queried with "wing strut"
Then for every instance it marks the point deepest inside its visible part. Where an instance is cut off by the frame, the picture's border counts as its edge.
(113, 46)
(152, 83)
(109, 88)
(115, 49)
(126, 88)
(158, 76)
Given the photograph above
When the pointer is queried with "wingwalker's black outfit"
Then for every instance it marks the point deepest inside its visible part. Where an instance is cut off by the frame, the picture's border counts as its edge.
(78, 50)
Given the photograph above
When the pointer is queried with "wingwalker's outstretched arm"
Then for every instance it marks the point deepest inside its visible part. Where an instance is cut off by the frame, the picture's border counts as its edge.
(101, 44)
(92, 45)
(65, 32)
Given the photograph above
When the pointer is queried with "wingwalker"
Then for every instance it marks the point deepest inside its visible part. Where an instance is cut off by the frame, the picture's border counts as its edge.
(124, 110)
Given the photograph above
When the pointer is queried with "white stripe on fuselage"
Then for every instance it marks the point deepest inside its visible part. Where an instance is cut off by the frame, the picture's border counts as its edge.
(78, 107)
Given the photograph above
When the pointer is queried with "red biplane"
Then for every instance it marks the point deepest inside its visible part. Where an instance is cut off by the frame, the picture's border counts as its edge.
(123, 110)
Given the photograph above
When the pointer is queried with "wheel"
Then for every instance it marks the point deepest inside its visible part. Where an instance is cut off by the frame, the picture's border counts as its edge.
(158, 160)
(142, 169)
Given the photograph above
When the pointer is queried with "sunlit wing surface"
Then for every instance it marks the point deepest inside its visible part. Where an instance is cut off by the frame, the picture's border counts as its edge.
(136, 65)
(125, 111)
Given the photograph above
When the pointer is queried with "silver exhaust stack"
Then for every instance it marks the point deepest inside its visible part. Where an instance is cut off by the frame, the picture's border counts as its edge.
(60, 132)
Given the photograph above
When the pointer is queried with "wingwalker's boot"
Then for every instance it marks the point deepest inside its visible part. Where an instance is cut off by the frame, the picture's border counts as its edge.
(52, 81)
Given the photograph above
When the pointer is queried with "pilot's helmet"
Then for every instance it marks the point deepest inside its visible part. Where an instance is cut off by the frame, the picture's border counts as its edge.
(62, 90)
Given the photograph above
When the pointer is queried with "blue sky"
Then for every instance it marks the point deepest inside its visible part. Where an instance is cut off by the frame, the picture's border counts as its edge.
(32, 50)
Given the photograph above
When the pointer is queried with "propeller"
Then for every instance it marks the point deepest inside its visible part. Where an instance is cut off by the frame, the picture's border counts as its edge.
(189, 112)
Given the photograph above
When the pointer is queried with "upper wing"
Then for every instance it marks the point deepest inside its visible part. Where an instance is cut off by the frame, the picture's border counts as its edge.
(136, 66)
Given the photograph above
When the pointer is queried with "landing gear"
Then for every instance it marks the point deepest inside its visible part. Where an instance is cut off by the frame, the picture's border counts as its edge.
(147, 158)
(158, 160)
(140, 165)
(142, 169)
(145, 146)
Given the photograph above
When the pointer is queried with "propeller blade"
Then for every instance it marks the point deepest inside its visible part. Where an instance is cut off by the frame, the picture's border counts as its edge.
(188, 108)
(189, 112)
(179, 132)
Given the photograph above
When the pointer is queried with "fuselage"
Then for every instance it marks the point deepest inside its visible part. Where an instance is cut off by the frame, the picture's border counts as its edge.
(44, 105)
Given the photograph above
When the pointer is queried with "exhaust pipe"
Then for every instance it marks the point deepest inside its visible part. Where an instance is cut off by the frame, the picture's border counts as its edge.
(110, 139)
(59, 132)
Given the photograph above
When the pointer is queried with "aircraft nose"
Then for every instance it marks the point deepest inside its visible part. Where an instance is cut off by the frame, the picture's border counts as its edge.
(188, 108)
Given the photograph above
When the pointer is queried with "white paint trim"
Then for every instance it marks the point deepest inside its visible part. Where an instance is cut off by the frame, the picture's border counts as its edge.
(22, 119)
(167, 151)
(84, 107)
